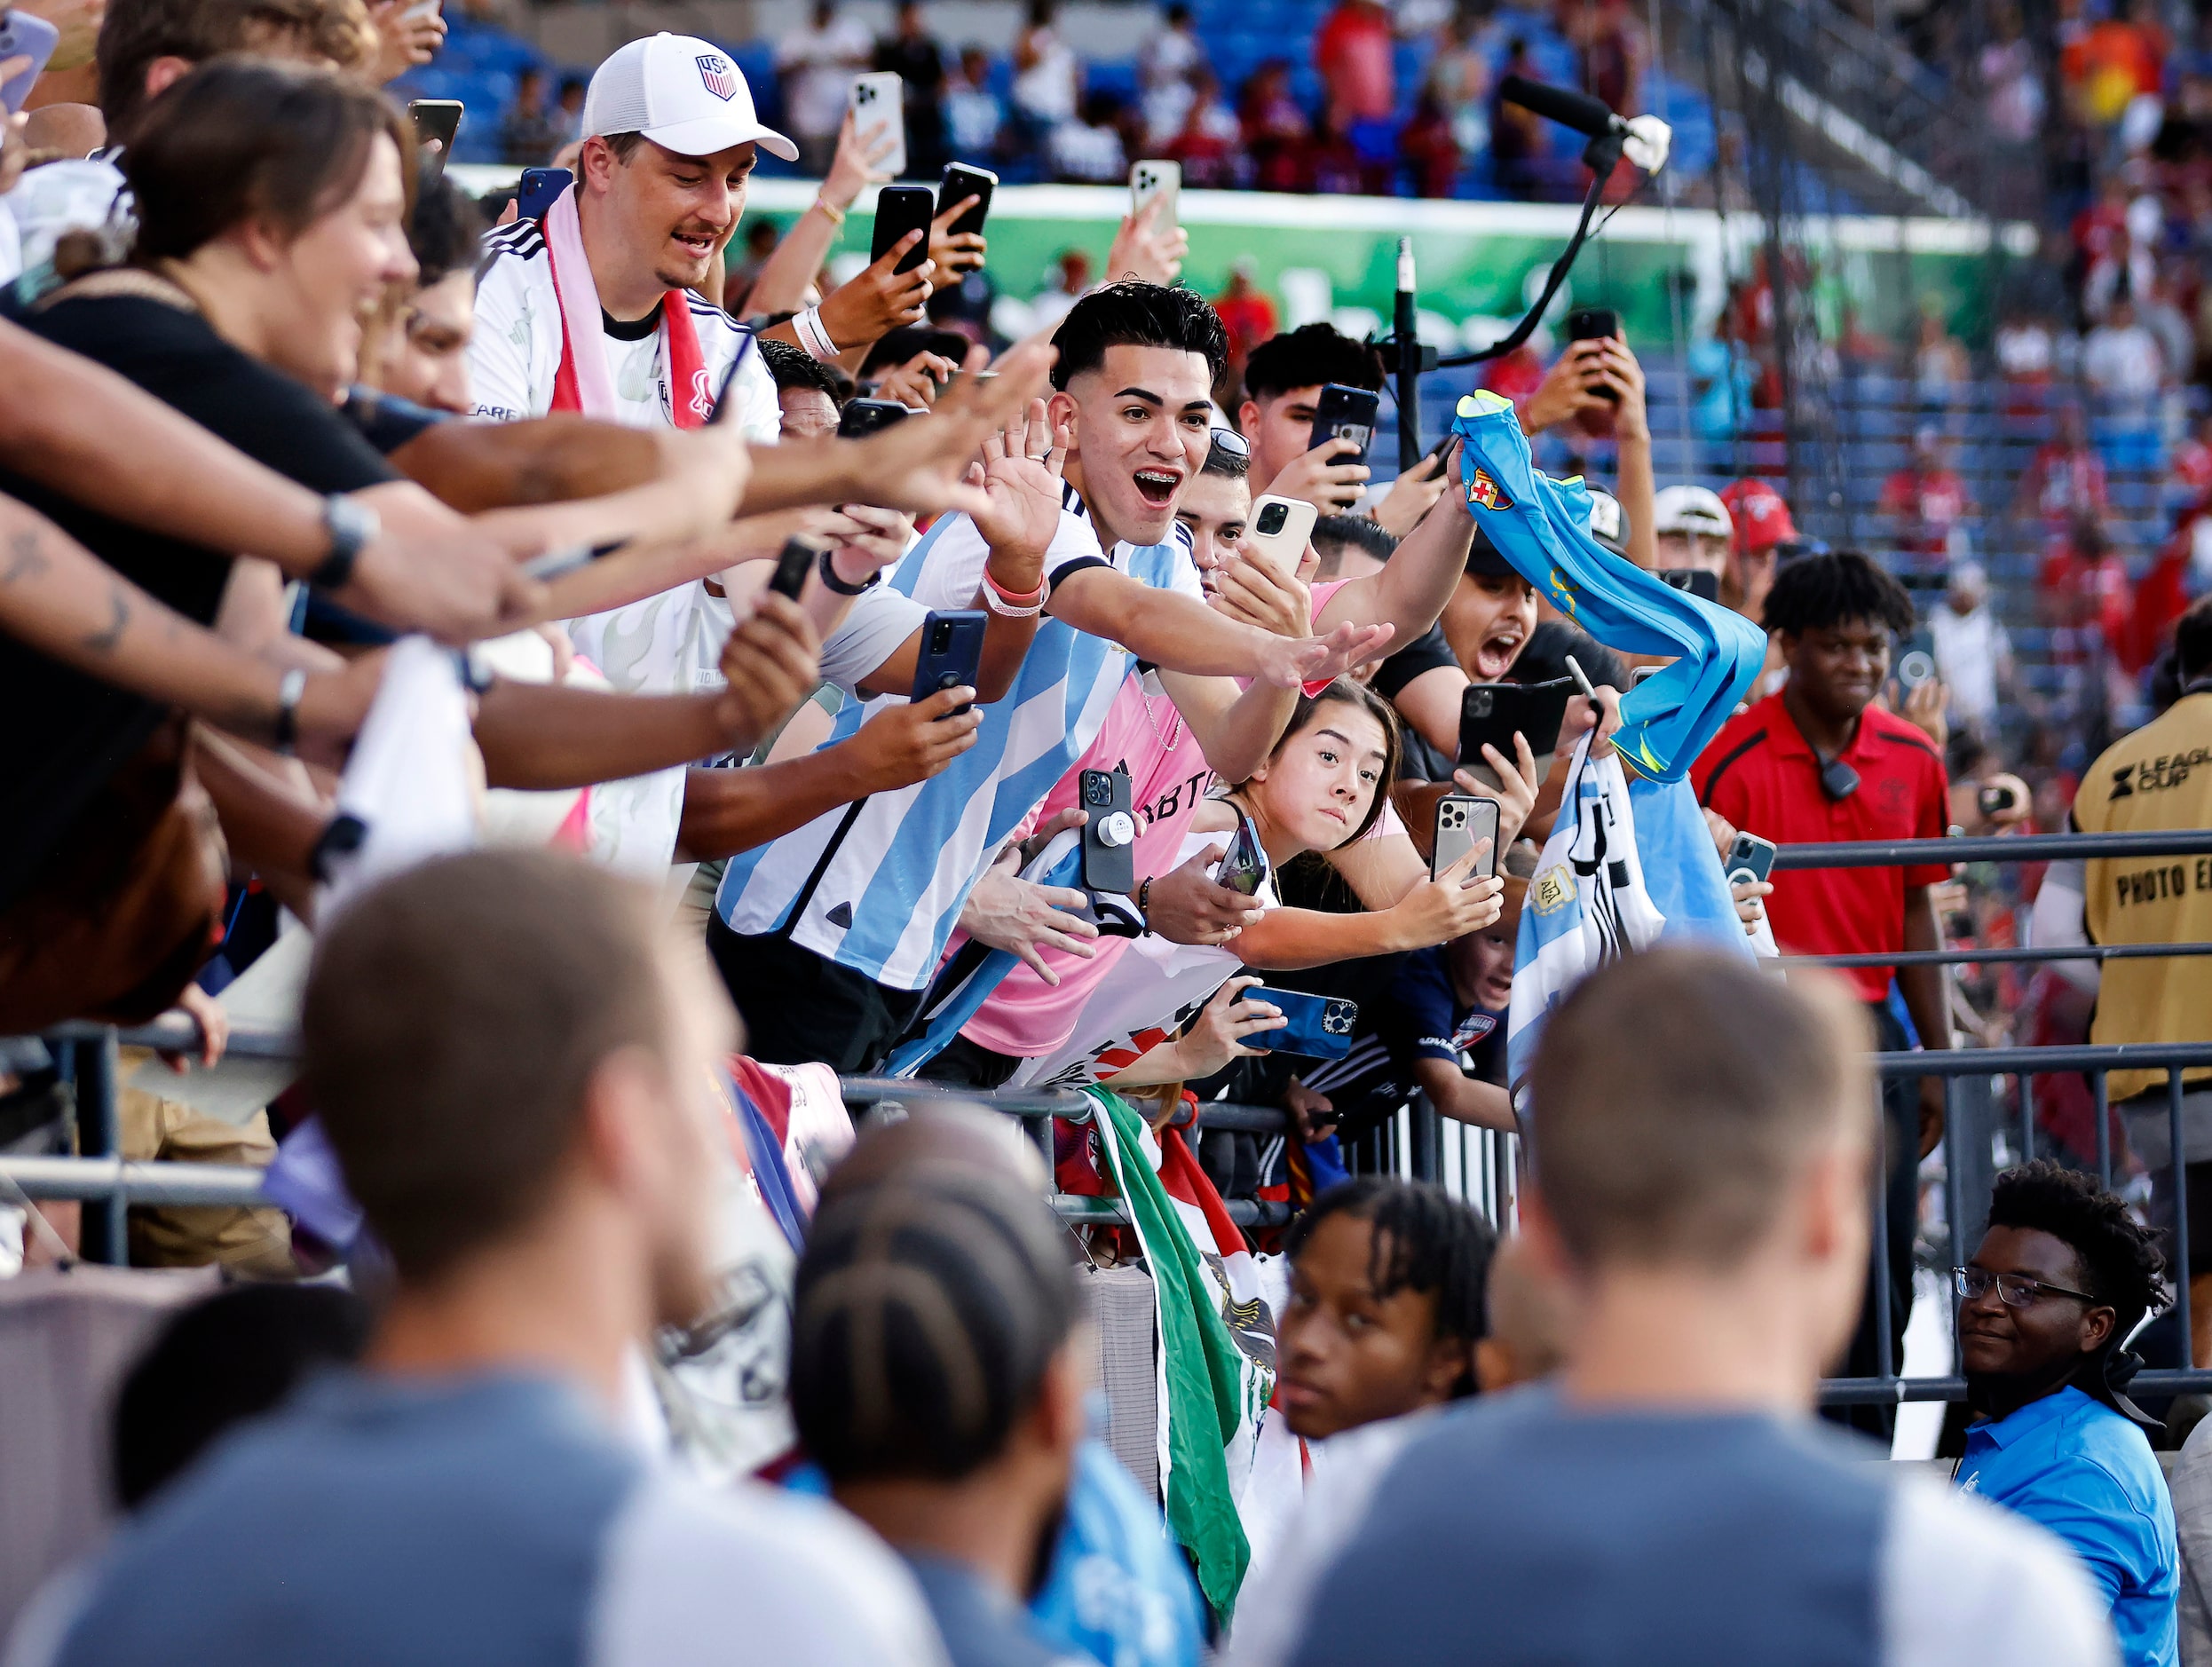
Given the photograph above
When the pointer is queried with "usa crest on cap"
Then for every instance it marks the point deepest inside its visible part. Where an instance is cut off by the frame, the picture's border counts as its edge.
(716, 75)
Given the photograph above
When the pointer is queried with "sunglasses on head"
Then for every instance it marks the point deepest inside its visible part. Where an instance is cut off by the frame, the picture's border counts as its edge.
(1230, 441)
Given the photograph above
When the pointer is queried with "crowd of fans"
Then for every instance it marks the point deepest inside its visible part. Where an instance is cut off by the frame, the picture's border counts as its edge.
(517, 657)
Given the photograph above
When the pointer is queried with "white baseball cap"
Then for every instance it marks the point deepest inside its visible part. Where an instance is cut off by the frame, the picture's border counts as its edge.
(681, 92)
(1691, 509)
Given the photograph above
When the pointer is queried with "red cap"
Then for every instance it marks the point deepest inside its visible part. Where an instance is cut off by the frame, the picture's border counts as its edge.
(1760, 515)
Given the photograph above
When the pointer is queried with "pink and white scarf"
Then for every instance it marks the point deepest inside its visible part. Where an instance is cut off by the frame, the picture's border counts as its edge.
(583, 382)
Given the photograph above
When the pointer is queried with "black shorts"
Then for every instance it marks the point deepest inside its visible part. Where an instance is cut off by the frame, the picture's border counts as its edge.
(800, 1008)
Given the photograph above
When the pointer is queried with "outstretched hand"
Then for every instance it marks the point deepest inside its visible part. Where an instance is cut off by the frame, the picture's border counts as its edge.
(1324, 658)
(1020, 476)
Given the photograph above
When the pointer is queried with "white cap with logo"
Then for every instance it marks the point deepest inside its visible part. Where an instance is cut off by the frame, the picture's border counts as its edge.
(1691, 509)
(681, 92)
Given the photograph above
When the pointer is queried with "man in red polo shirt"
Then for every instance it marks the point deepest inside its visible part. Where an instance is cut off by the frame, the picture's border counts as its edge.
(1818, 762)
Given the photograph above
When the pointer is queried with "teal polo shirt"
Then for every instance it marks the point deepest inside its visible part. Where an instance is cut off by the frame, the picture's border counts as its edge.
(2072, 1464)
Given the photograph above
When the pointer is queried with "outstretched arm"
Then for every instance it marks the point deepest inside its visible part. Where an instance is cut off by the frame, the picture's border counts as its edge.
(1180, 634)
(1411, 590)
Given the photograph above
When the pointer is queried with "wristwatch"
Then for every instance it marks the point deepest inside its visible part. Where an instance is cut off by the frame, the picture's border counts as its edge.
(352, 527)
(829, 577)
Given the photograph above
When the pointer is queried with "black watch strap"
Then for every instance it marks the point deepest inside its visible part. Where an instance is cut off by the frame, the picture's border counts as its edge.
(829, 577)
(351, 527)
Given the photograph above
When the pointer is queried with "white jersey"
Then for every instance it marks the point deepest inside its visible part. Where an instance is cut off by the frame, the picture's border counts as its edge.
(515, 351)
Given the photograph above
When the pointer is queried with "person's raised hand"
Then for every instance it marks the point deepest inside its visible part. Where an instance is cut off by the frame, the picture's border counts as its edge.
(916, 383)
(1516, 789)
(875, 302)
(902, 744)
(1315, 1112)
(1724, 831)
(1319, 478)
(1223, 1029)
(1188, 906)
(1926, 707)
(876, 540)
(434, 573)
(956, 254)
(772, 663)
(1411, 495)
(855, 167)
(1621, 373)
(1569, 387)
(405, 39)
(1144, 249)
(215, 1030)
(1007, 912)
(1288, 664)
(1604, 715)
(1021, 478)
(924, 466)
(1248, 588)
(1457, 902)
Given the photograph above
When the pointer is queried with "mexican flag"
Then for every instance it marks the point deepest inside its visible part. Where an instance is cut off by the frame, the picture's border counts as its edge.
(1216, 1353)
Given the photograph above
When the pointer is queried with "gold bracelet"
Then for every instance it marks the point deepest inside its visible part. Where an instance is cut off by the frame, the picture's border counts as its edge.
(836, 216)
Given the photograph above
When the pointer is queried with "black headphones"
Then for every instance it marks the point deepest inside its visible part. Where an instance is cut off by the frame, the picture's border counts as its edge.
(1838, 780)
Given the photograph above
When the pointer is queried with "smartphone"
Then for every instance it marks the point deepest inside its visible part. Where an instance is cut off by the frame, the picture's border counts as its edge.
(1109, 833)
(1586, 324)
(1994, 801)
(1750, 857)
(952, 651)
(879, 112)
(1494, 712)
(801, 555)
(1319, 1027)
(862, 417)
(1463, 822)
(25, 36)
(962, 181)
(1346, 412)
(1914, 666)
(724, 405)
(1280, 529)
(538, 188)
(898, 210)
(1153, 179)
(1696, 581)
(1243, 866)
(436, 122)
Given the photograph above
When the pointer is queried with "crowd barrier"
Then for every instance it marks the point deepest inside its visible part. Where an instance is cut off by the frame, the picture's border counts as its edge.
(1479, 1165)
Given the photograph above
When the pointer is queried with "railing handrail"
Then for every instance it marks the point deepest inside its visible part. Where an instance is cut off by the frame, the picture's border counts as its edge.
(2022, 848)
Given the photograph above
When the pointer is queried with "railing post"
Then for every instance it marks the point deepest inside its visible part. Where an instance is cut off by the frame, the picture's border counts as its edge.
(1884, 1353)
(2178, 1158)
(1968, 1167)
(2101, 1086)
(103, 1236)
(1426, 1135)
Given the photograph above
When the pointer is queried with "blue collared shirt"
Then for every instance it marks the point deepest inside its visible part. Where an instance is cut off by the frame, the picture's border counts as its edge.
(2072, 1464)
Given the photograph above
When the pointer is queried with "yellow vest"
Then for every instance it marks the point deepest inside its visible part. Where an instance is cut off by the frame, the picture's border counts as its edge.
(2160, 777)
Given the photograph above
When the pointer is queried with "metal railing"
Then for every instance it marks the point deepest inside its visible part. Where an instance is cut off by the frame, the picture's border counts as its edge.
(1477, 1165)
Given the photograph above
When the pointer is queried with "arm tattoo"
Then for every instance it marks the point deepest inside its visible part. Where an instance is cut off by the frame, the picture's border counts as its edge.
(107, 641)
(26, 560)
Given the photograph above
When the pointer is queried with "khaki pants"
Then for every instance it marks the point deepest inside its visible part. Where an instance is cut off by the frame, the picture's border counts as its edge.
(256, 1243)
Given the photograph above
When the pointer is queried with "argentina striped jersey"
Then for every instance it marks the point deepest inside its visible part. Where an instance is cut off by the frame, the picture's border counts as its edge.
(878, 885)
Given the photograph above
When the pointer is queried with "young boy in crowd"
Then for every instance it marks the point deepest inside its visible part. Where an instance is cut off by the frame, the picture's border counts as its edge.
(1387, 1280)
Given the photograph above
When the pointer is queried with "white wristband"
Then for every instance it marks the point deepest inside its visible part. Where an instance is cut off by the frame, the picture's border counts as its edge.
(1008, 609)
(808, 327)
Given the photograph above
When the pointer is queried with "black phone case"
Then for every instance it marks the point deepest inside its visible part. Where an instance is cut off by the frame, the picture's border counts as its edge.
(863, 417)
(898, 210)
(1493, 712)
(1592, 324)
(964, 182)
(1109, 868)
(1347, 411)
(950, 657)
(797, 560)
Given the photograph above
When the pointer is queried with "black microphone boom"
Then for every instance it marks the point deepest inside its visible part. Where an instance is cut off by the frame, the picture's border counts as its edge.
(1577, 110)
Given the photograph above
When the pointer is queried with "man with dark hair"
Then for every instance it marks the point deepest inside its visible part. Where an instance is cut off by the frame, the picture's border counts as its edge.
(1387, 1303)
(1701, 1136)
(937, 1382)
(513, 1061)
(1283, 383)
(806, 390)
(829, 936)
(2062, 1277)
(2157, 778)
(1216, 503)
(1823, 761)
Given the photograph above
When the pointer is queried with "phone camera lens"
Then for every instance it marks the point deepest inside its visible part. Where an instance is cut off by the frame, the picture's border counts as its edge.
(1273, 518)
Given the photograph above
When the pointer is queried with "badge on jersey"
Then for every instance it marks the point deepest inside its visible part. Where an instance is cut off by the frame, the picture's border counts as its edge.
(1486, 491)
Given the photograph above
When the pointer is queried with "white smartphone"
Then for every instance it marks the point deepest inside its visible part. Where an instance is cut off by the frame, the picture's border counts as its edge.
(1149, 180)
(1279, 530)
(879, 111)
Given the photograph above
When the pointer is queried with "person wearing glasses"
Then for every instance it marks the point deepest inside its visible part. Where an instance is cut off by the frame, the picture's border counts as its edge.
(2061, 1280)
